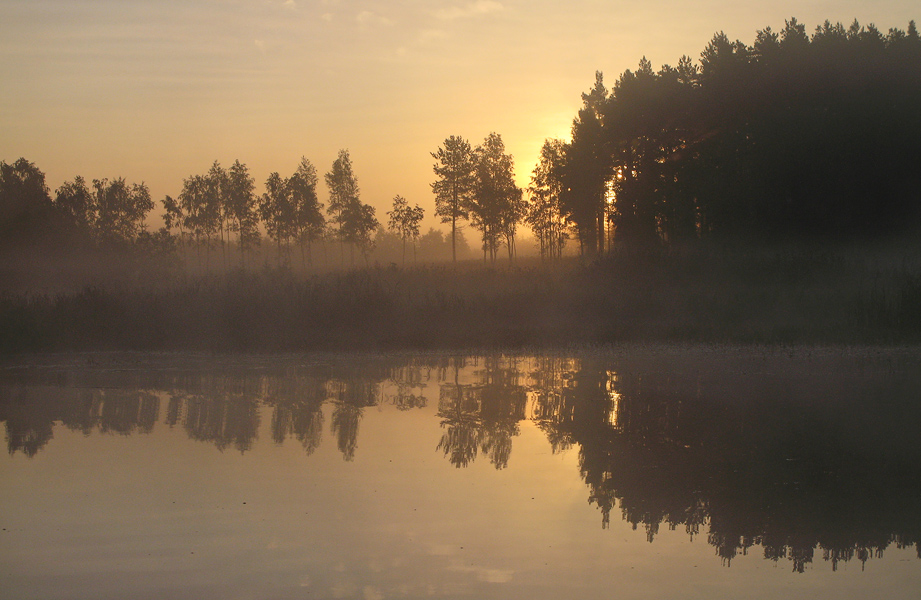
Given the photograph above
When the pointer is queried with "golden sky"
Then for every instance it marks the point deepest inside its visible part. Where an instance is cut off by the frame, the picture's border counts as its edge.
(155, 91)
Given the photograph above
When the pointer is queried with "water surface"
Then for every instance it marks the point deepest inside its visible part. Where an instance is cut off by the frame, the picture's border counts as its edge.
(628, 472)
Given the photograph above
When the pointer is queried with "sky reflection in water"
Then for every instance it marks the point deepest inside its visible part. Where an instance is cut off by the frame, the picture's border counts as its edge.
(753, 474)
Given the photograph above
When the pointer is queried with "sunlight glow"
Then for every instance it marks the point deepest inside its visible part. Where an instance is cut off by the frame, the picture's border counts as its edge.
(156, 93)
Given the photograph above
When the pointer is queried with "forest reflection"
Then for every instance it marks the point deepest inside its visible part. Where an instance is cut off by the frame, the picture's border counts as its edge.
(806, 457)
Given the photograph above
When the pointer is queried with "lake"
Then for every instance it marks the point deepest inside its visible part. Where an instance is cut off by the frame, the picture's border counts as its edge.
(627, 472)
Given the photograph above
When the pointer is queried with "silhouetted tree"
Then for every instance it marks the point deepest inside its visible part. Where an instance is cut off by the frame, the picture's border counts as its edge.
(404, 221)
(277, 211)
(77, 202)
(173, 217)
(201, 212)
(587, 170)
(787, 139)
(455, 167)
(355, 221)
(307, 209)
(435, 246)
(496, 206)
(26, 211)
(545, 211)
(217, 186)
(360, 225)
(343, 191)
(241, 207)
(121, 209)
(644, 130)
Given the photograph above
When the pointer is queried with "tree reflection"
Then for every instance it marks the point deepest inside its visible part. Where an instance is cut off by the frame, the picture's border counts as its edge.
(408, 379)
(503, 401)
(792, 462)
(350, 396)
(223, 420)
(799, 460)
(297, 409)
(459, 413)
(482, 416)
(810, 460)
(127, 411)
(346, 418)
(30, 413)
(174, 409)
(28, 421)
(550, 380)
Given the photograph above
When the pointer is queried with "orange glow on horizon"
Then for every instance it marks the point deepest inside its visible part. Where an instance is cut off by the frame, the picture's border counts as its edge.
(153, 94)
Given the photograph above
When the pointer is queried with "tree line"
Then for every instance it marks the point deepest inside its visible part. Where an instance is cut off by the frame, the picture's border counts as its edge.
(214, 211)
(794, 137)
(223, 204)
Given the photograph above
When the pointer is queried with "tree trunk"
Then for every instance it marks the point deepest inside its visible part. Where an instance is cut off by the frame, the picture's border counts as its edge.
(242, 249)
(454, 237)
(223, 246)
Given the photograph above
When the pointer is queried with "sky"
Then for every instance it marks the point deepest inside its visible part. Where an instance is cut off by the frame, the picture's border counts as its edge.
(155, 91)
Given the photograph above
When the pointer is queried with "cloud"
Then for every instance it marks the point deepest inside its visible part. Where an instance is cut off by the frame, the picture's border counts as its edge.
(425, 37)
(290, 4)
(430, 35)
(328, 17)
(260, 44)
(367, 18)
(472, 9)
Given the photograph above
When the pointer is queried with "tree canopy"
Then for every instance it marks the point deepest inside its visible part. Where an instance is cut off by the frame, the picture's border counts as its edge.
(404, 221)
(455, 168)
(791, 138)
(796, 137)
(355, 222)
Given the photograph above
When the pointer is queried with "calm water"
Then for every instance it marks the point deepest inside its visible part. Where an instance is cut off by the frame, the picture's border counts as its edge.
(627, 473)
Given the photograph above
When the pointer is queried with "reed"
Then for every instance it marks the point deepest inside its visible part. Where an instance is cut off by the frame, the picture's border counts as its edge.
(695, 294)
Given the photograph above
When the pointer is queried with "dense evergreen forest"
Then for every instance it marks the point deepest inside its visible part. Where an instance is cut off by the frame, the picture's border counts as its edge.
(790, 138)
(796, 141)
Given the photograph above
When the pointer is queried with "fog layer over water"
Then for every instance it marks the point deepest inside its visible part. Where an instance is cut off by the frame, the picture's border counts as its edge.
(637, 472)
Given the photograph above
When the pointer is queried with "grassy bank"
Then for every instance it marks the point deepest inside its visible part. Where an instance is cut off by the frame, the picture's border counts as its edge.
(695, 295)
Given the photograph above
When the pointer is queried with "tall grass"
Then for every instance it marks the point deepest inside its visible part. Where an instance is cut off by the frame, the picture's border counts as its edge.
(698, 294)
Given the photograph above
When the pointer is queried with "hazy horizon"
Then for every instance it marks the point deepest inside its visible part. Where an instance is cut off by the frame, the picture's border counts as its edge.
(156, 92)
